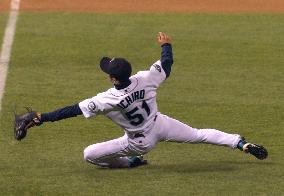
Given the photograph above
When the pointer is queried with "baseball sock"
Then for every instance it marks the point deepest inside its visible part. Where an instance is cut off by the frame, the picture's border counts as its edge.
(241, 144)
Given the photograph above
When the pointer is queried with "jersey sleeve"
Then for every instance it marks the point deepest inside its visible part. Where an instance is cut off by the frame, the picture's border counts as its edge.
(156, 75)
(99, 104)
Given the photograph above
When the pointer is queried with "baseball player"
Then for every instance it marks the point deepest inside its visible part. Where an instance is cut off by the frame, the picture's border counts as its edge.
(131, 104)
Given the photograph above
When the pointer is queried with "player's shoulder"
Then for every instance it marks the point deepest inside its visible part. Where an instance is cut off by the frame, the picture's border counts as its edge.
(140, 74)
(104, 94)
(157, 66)
(154, 67)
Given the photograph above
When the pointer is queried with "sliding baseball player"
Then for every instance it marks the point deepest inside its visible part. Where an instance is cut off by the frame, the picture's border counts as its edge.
(131, 104)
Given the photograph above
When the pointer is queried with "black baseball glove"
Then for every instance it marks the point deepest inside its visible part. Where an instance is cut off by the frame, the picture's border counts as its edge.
(24, 122)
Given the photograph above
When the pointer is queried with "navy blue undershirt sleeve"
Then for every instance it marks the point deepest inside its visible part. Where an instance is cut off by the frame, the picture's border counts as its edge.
(167, 58)
(63, 113)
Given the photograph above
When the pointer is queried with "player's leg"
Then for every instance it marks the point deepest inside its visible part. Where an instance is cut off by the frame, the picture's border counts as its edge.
(108, 154)
(176, 131)
(113, 154)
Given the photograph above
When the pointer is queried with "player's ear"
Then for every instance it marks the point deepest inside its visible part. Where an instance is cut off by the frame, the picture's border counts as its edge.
(113, 80)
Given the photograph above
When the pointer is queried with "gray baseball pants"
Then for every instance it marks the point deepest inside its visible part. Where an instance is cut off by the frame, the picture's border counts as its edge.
(114, 153)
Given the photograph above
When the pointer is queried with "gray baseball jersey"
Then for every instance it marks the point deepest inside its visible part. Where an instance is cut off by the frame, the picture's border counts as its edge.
(133, 108)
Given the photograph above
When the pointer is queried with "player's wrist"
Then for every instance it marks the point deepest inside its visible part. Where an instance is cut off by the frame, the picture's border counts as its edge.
(165, 44)
(38, 114)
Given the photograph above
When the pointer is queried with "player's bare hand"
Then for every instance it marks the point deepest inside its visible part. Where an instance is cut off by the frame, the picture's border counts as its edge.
(163, 38)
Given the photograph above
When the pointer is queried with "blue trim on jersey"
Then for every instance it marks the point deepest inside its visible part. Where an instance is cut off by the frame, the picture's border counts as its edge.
(66, 112)
(122, 85)
(167, 58)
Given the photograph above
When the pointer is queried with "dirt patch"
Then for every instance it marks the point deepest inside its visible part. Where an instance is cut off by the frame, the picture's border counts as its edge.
(152, 6)
(4, 5)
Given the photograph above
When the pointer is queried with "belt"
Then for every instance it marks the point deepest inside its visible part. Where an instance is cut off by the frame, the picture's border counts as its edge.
(136, 135)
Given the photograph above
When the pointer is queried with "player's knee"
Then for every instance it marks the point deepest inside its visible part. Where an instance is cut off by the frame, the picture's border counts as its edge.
(197, 135)
(88, 154)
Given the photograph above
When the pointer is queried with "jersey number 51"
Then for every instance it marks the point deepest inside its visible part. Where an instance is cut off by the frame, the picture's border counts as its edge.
(137, 118)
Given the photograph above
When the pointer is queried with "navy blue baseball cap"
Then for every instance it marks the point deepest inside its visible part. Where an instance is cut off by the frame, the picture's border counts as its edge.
(119, 68)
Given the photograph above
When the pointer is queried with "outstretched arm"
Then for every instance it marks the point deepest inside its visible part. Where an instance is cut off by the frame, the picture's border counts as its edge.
(166, 55)
(25, 121)
(62, 113)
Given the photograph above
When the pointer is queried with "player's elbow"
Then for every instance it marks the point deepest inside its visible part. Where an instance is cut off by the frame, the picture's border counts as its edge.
(167, 66)
(167, 70)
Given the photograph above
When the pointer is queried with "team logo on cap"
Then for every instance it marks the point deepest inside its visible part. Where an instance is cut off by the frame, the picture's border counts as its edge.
(158, 67)
(92, 106)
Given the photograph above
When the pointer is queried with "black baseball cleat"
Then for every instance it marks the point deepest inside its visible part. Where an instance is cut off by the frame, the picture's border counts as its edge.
(256, 150)
(136, 161)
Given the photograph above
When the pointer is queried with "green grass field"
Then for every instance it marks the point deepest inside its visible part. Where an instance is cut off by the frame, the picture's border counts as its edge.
(228, 75)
